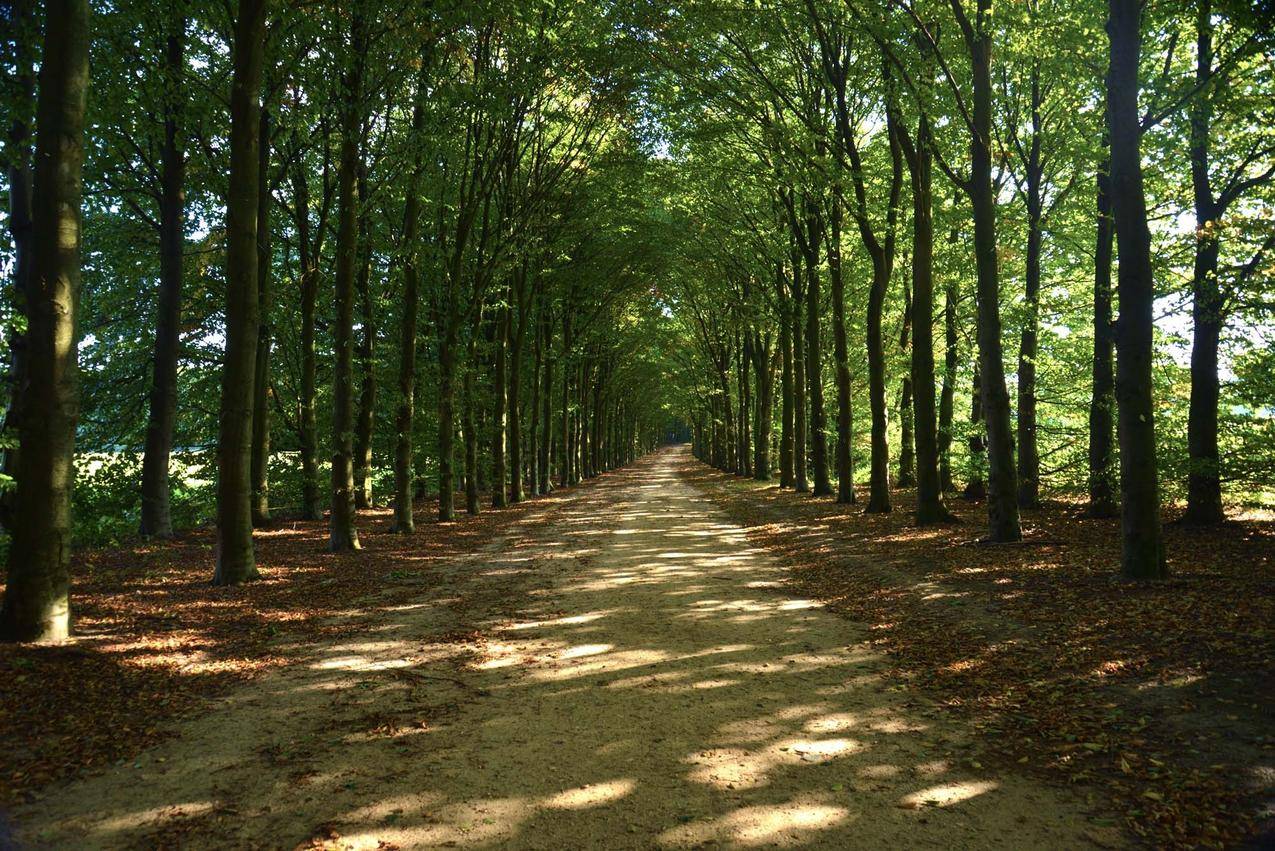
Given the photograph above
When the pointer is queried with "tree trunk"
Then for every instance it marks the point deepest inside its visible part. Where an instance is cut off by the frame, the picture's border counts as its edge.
(907, 441)
(236, 559)
(764, 407)
(308, 430)
(879, 480)
(841, 352)
(1028, 455)
(500, 404)
(929, 490)
(814, 368)
(342, 534)
(366, 420)
(260, 464)
(786, 428)
(36, 603)
(469, 425)
(1102, 403)
(25, 32)
(156, 520)
(1143, 546)
(947, 396)
(1002, 497)
(447, 421)
(546, 403)
(1204, 480)
(976, 487)
(800, 483)
(404, 419)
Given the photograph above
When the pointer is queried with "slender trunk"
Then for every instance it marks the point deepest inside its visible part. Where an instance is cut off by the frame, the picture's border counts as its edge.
(947, 396)
(1143, 545)
(447, 421)
(841, 351)
(236, 559)
(1204, 480)
(1102, 403)
(500, 403)
(879, 474)
(156, 520)
(517, 340)
(261, 373)
(1028, 455)
(404, 419)
(308, 429)
(366, 419)
(533, 436)
(546, 403)
(929, 489)
(800, 482)
(566, 442)
(1002, 502)
(976, 487)
(786, 427)
(814, 369)
(469, 425)
(342, 534)
(764, 406)
(36, 603)
(907, 441)
(25, 31)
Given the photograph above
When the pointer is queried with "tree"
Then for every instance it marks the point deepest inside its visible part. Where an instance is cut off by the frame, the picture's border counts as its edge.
(236, 558)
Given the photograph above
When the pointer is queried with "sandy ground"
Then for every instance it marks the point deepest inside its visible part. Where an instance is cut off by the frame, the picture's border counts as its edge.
(643, 679)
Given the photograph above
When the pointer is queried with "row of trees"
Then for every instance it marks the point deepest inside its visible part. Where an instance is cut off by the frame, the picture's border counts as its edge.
(845, 158)
(289, 208)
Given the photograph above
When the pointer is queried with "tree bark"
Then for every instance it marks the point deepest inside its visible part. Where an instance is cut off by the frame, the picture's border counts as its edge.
(786, 428)
(841, 352)
(500, 412)
(1102, 403)
(156, 519)
(1002, 502)
(36, 603)
(342, 534)
(1143, 546)
(405, 416)
(1204, 480)
(447, 422)
(469, 425)
(947, 396)
(260, 464)
(236, 558)
(308, 430)
(814, 363)
(929, 490)
(800, 483)
(366, 420)
(1028, 454)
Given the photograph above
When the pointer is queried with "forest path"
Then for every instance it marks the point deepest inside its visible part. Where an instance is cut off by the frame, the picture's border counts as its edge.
(644, 680)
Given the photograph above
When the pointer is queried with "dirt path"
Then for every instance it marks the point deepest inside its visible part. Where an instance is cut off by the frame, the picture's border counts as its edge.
(645, 681)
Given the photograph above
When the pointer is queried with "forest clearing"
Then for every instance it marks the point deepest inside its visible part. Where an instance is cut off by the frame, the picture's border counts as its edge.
(556, 423)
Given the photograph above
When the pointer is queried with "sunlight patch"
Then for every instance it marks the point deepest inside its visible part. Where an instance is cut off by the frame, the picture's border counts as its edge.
(592, 795)
(952, 793)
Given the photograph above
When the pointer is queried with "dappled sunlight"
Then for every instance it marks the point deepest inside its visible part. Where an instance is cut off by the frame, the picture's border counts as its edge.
(949, 794)
(592, 795)
(760, 825)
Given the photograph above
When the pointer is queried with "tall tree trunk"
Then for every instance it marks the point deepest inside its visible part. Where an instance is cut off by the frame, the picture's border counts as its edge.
(308, 429)
(533, 437)
(929, 490)
(447, 421)
(1143, 545)
(566, 445)
(907, 440)
(1028, 454)
(1204, 480)
(1002, 496)
(787, 427)
(764, 407)
(814, 366)
(366, 420)
(800, 483)
(469, 424)
(236, 559)
(156, 520)
(947, 396)
(25, 34)
(260, 464)
(1102, 403)
(546, 402)
(879, 480)
(841, 352)
(500, 404)
(517, 335)
(36, 603)
(342, 534)
(404, 418)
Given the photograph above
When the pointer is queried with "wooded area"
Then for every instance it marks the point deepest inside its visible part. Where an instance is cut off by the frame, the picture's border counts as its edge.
(1010, 269)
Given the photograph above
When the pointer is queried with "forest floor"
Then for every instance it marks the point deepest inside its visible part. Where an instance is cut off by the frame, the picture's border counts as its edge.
(646, 660)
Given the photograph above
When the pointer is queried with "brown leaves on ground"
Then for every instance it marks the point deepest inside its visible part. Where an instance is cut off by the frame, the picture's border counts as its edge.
(153, 638)
(1159, 696)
